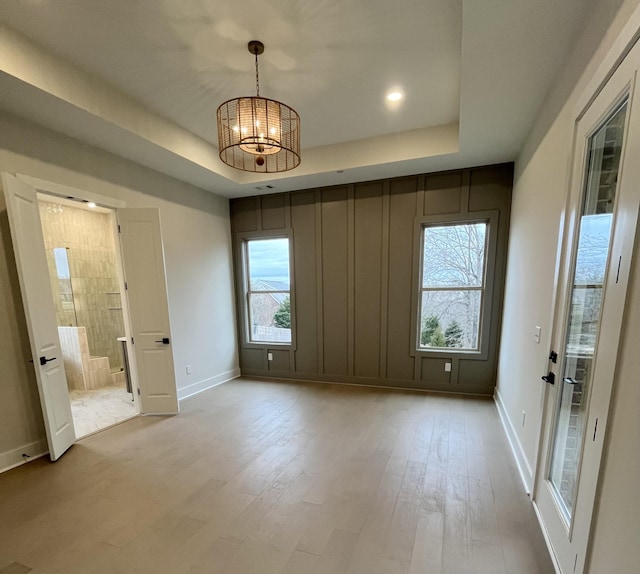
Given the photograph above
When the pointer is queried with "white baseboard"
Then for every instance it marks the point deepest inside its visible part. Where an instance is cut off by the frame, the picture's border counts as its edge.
(524, 469)
(12, 458)
(205, 384)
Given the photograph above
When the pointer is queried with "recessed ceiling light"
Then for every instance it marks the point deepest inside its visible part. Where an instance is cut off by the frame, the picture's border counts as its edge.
(91, 204)
(394, 96)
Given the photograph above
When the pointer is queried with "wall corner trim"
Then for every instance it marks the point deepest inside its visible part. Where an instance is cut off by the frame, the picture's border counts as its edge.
(203, 385)
(12, 458)
(524, 469)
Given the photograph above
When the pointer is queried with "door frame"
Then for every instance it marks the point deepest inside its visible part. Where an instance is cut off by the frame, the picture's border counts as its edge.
(53, 189)
(625, 219)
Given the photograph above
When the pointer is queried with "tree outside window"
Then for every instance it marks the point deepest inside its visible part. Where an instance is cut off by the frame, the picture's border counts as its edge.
(282, 317)
(452, 286)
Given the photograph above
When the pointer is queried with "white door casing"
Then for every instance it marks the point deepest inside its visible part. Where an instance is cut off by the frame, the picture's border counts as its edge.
(144, 270)
(569, 539)
(28, 246)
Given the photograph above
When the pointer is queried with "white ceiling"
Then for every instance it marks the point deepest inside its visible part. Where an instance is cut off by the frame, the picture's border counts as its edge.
(143, 79)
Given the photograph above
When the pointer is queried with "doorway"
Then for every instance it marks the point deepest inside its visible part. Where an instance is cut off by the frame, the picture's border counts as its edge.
(85, 278)
(597, 253)
(147, 321)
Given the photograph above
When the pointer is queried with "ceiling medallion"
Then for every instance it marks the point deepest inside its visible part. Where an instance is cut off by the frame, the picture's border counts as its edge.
(258, 134)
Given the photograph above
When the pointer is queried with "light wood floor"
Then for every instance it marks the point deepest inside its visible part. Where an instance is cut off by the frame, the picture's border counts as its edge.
(280, 478)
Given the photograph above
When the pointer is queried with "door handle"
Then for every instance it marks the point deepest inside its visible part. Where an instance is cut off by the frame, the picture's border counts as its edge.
(44, 360)
(550, 378)
(164, 341)
(570, 381)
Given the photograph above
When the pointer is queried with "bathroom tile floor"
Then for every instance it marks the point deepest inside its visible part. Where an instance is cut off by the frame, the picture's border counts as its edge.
(96, 409)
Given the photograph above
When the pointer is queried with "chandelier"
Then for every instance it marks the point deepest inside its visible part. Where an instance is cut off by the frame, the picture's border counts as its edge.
(258, 134)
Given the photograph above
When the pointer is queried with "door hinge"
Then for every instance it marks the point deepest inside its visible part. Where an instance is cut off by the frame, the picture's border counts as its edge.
(126, 286)
(119, 228)
(132, 341)
(138, 391)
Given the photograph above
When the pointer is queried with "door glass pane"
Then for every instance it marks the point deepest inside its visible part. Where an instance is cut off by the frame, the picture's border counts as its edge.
(63, 288)
(591, 261)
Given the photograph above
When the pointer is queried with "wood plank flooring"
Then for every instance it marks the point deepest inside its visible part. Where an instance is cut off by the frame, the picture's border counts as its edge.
(259, 477)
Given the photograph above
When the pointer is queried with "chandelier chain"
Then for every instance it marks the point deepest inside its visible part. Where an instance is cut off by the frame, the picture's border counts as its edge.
(257, 77)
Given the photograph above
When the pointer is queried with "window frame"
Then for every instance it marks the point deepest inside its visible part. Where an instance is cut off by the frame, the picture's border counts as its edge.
(490, 218)
(243, 240)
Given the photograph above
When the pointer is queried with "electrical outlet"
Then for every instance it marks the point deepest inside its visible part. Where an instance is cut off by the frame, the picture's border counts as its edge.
(270, 356)
(188, 369)
(524, 416)
(447, 367)
(536, 334)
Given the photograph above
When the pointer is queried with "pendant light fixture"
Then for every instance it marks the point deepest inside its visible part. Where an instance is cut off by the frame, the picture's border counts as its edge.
(258, 134)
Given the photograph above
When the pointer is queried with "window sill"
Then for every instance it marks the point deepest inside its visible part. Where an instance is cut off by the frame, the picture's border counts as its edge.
(444, 352)
(267, 345)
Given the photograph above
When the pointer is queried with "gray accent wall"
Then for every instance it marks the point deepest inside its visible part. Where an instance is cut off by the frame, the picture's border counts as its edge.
(355, 249)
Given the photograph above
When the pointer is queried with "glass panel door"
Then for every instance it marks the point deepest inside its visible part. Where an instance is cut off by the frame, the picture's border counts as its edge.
(591, 260)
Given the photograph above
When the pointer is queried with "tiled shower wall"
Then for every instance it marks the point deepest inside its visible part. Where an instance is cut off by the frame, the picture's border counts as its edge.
(88, 237)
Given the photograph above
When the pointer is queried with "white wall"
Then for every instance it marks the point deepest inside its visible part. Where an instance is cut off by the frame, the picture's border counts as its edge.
(196, 233)
(540, 187)
(539, 198)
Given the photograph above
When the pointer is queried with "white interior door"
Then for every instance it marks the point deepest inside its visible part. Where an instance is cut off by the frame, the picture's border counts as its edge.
(599, 242)
(144, 270)
(28, 245)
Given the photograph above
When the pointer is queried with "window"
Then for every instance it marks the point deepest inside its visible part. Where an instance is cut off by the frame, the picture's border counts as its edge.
(452, 286)
(268, 290)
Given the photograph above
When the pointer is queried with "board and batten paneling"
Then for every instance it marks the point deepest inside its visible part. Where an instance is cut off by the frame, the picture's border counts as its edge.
(367, 269)
(353, 271)
(335, 278)
(403, 204)
(305, 264)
